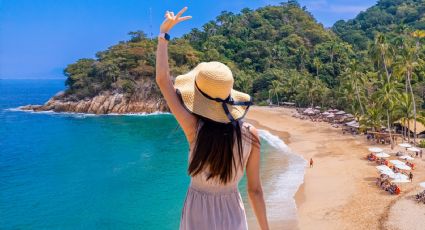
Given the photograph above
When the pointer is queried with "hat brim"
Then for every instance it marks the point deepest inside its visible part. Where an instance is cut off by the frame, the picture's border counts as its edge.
(197, 103)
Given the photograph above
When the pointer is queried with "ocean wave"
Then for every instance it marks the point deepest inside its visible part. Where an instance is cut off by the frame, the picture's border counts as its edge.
(286, 182)
(83, 115)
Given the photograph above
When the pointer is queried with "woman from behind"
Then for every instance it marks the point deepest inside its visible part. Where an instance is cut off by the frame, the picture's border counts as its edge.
(222, 146)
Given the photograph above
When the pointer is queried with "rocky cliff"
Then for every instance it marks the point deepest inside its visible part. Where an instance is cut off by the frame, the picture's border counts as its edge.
(104, 103)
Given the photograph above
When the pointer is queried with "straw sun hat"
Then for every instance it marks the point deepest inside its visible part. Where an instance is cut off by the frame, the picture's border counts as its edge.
(207, 90)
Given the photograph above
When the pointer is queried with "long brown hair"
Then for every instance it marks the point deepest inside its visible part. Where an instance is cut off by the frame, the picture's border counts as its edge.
(214, 148)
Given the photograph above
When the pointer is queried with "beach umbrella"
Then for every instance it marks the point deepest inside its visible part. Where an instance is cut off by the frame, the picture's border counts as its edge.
(403, 167)
(413, 149)
(422, 184)
(389, 173)
(383, 168)
(399, 176)
(340, 113)
(375, 150)
(382, 155)
(397, 162)
(401, 181)
(406, 157)
(405, 145)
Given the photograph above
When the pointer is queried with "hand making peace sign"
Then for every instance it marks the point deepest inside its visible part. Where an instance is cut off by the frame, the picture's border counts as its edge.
(171, 20)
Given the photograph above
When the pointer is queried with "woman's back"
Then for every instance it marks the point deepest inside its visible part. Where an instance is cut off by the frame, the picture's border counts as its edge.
(207, 91)
(211, 204)
(200, 180)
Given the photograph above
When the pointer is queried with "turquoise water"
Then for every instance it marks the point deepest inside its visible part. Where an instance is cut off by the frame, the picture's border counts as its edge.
(73, 171)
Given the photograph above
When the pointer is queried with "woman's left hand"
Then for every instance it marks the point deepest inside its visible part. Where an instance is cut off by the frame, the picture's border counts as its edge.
(171, 20)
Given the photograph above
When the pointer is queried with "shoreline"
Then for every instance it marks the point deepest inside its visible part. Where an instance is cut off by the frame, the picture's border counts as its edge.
(339, 192)
(19, 109)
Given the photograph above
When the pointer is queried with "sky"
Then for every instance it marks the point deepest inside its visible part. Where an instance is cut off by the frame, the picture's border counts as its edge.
(38, 38)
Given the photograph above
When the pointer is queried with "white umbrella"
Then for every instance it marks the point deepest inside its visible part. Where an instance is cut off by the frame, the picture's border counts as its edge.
(414, 149)
(405, 145)
(375, 150)
(422, 184)
(382, 155)
(403, 167)
(401, 181)
(389, 173)
(397, 162)
(383, 168)
(340, 112)
(399, 176)
(406, 157)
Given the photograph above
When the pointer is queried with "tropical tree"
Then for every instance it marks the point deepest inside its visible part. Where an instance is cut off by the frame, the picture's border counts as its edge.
(355, 79)
(382, 52)
(275, 90)
(404, 109)
(318, 65)
(387, 98)
(373, 118)
(408, 61)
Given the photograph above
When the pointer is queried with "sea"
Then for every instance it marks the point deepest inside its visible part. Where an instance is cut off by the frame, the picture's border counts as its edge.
(81, 171)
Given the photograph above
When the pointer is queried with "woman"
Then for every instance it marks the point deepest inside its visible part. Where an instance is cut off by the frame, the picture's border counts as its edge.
(210, 113)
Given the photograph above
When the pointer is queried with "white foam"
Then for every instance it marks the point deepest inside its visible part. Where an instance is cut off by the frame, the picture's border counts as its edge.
(83, 115)
(286, 182)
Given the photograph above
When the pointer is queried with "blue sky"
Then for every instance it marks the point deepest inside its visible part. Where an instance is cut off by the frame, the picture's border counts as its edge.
(38, 38)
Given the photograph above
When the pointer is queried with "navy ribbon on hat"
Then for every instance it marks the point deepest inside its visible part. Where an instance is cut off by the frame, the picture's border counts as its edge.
(229, 100)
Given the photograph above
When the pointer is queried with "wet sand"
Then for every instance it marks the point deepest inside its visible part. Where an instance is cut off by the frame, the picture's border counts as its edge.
(339, 192)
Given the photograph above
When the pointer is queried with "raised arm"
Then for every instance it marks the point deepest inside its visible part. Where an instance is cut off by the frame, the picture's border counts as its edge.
(186, 120)
(255, 190)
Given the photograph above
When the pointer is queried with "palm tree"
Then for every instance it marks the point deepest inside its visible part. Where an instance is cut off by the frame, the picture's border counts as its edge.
(318, 65)
(418, 34)
(355, 79)
(373, 118)
(387, 97)
(404, 109)
(381, 52)
(405, 67)
(275, 90)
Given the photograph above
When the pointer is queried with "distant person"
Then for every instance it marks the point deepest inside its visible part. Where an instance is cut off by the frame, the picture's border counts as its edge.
(221, 145)
(411, 176)
(420, 153)
(311, 162)
(417, 154)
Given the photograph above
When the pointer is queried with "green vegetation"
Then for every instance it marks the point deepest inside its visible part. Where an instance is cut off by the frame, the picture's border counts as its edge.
(371, 66)
(387, 16)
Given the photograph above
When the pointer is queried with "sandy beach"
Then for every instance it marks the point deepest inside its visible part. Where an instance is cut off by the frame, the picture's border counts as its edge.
(339, 192)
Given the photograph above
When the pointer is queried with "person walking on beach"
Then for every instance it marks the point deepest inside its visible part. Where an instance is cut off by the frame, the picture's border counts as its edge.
(311, 162)
(420, 153)
(221, 145)
(411, 176)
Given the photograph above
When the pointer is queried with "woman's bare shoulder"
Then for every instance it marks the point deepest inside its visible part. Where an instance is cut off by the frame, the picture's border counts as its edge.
(251, 128)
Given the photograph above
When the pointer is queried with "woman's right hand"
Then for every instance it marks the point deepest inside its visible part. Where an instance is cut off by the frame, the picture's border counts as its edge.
(171, 20)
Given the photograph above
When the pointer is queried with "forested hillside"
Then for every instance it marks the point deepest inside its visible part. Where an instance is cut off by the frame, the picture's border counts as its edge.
(387, 16)
(371, 66)
(265, 48)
